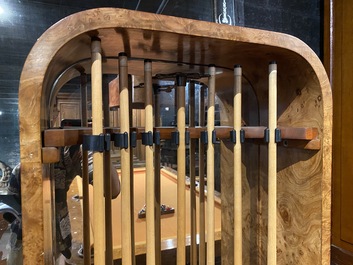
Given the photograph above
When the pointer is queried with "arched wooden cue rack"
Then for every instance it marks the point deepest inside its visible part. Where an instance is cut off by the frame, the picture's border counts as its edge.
(177, 45)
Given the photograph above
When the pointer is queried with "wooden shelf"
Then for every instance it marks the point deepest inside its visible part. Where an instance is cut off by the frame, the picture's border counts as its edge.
(301, 137)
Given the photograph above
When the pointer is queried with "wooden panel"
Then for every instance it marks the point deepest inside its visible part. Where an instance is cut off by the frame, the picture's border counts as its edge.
(347, 125)
(69, 110)
(68, 106)
(342, 229)
(340, 256)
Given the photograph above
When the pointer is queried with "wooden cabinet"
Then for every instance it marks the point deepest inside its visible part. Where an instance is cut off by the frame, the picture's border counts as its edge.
(339, 63)
(303, 213)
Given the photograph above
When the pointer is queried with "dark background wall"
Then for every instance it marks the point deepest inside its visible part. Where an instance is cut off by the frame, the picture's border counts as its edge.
(23, 21)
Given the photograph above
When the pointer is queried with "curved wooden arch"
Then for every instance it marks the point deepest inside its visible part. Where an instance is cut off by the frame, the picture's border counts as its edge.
(163, 38)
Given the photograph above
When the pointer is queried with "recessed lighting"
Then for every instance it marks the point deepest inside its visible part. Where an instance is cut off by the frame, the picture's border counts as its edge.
(0, 112)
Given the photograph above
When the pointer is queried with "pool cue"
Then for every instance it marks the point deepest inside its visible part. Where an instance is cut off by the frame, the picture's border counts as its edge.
(192, 149)
(126, 236)
(181, 220)
(210, 167)
(107, 183)
(272, 166)
(150, 210)
(202, 244)
(131, 91)
(157, 181)
(98, 160)
(238, 226)
(85, 179)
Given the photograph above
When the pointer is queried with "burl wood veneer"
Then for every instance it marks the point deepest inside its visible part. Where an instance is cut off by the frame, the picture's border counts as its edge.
(183, 45)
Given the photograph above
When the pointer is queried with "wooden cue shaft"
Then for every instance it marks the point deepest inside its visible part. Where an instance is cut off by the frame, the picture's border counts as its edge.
(192, 149)
(126, 237)
(98, 170)
(210, 167)
(107, 182)
(238, 239)
(130, 88)
(272, 166)
(150, 210)
(202, 247)
(157, 181)
(85, 179)
(181, 220)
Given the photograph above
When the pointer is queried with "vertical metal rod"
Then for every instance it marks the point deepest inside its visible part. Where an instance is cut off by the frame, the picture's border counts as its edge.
(181, 220)
(238, 239)
(85, 178)
(192, 151)
(108, 209)
(126, 237)
(86, 210)
(202, 248)
(150, 210)
(107, 182)
(210, 167)
(272, 166)
(157, 181)
(84, 115)
(98, 160)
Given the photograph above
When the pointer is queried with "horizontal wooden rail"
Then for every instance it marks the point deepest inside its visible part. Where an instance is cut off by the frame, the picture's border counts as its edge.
(300, 137)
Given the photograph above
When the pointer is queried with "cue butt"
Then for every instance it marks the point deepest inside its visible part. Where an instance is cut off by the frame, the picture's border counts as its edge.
(150, 210)
(126, 217)
(210, 167)
(238, 226)
(181, 153)
(98, 167)
(272, 167)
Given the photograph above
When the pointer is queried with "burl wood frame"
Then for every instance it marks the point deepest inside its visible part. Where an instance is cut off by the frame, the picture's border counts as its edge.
(182, 45)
